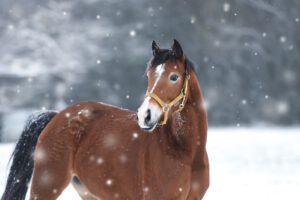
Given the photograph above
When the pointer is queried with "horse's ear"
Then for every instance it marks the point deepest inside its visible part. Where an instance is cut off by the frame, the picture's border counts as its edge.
(155, 48)
(176, 49)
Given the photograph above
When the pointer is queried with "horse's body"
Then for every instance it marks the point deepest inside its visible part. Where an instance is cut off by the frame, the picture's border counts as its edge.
(114, 158)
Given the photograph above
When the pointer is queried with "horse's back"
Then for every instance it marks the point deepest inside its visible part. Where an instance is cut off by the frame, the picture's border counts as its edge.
(80, 123)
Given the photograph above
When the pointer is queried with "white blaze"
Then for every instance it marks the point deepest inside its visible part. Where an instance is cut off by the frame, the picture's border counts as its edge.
(160, 69)
(154, 108)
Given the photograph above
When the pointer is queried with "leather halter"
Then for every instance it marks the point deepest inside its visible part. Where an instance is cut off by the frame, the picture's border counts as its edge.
(166, 107)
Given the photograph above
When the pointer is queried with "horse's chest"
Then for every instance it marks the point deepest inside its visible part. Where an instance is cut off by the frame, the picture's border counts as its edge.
(165, 178)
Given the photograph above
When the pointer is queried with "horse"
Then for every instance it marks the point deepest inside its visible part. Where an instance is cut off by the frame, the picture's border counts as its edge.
(156, 153)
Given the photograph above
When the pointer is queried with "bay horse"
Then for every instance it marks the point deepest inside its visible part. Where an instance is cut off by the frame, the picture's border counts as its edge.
(158, 153)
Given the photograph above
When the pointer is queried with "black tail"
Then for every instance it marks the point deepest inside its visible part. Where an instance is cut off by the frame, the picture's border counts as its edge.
(22, 164)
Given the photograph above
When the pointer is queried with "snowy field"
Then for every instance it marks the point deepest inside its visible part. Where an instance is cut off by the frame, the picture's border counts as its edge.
(246, 164)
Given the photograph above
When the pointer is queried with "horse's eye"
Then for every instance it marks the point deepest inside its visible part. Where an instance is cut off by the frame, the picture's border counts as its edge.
(174, 77)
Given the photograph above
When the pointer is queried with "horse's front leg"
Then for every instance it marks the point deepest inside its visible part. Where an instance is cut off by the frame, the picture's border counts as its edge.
(200, 177)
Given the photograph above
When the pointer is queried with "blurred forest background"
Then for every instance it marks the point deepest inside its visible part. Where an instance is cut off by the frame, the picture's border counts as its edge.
(56, 53)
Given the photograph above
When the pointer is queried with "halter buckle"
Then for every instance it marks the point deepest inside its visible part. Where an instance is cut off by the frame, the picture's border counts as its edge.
(166, 108)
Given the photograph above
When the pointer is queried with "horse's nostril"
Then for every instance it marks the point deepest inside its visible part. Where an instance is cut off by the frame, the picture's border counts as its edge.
(148, 116)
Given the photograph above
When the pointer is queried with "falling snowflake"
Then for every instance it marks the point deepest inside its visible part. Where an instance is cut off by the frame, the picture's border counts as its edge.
(11, 27)
(289, 76)
(206, 105)
(244, 101)
(98, 62)
(132, 33)
(99, 161)
(127, 96)
(46, 178)
(92, 158)
(226, 7)
(205, 59)
(110, 141)
(297, 20)
(135, 135)
(64, 13)
(98, 17)
(195, 185)
(99, 83)
(117, 86)
(217, 43)
(282, 39)
(84, 112)
(151, 11)
(146, 189)
(123, 158)
(40, 154)
(266, 96)
(140, 25)
(193, 19)
(29, 80)
(282, 107)
(18, 89)
(108, 182)
(264, 34)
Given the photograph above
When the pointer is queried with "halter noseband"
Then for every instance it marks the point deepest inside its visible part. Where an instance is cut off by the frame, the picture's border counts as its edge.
(166, 107)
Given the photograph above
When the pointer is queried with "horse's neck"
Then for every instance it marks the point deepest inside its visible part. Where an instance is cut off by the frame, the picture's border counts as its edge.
(182, 131)
(194, 107)
(195, 99)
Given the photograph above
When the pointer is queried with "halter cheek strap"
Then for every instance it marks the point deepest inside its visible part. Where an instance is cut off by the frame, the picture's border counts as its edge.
(166, 107)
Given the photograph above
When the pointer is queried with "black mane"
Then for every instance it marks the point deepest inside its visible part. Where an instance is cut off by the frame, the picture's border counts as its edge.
(165, 55)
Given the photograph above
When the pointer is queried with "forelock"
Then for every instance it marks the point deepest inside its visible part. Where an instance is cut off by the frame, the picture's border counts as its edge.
(165, 55)
(162, 56)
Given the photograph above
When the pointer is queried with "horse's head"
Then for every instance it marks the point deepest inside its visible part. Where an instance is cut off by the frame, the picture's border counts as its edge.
(167, 86)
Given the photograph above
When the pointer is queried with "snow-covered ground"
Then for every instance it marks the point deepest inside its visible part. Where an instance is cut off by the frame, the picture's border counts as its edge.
(246, 163)
(254, 164)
